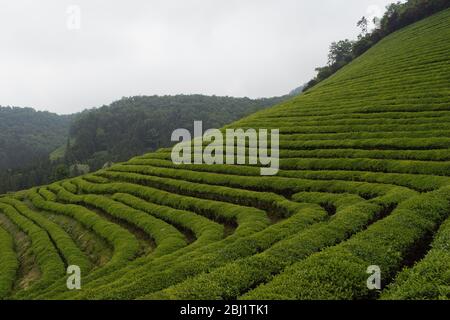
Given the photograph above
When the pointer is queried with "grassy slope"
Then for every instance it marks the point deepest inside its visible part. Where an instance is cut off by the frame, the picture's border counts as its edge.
(364, 180)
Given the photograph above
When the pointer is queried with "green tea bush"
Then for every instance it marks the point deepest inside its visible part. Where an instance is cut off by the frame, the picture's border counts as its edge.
(9, 263)
(167, 238)
(47, 257)
(204, 229)
(386, 243)
(63, 242)
(124, 243)
(429, 279)
(198, 261)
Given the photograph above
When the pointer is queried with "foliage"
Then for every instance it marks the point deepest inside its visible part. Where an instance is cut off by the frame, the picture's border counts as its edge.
(8, 263)
(27, 135)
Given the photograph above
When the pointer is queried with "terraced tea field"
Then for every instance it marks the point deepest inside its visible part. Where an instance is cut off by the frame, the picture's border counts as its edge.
(364, 180)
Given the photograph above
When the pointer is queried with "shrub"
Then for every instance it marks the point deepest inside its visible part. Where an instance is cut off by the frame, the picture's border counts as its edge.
(9, 263)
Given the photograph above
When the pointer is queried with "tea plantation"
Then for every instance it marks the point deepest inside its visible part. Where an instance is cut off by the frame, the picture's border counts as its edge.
(364, 180)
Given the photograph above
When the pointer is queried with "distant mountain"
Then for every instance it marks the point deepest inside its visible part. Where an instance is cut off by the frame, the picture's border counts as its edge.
(297, 90)
(26, 135)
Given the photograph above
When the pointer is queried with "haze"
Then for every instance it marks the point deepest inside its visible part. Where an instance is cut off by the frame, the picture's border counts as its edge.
(254, 48)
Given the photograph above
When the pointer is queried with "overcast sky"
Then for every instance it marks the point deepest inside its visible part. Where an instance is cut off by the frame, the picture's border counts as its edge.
(52, 58)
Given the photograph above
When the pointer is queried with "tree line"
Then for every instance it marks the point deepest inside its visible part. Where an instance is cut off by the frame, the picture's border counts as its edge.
(397, 16)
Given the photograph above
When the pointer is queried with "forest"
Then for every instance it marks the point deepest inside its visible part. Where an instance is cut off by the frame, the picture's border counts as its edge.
(39, 147)
(27, 135)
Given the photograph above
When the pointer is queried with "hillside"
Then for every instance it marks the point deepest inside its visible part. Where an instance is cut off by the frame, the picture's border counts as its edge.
(38, 148)
(364, 180)
(136, 125)
(26, 134)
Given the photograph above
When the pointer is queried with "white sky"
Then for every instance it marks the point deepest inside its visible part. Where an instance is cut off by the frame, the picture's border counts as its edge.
(254, 48)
